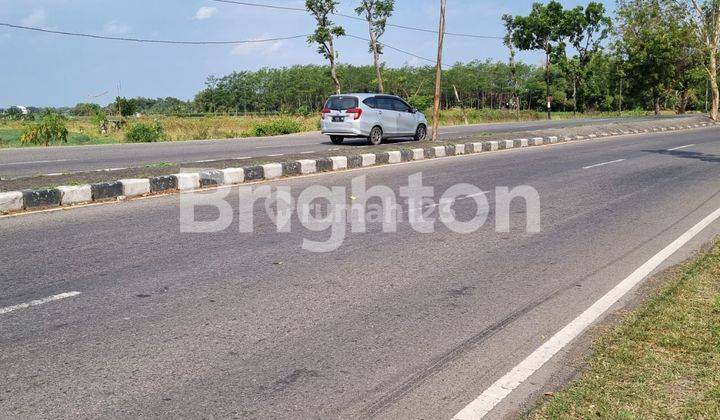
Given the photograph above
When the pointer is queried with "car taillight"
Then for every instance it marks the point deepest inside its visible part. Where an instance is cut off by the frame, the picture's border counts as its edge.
(356, 111)
(324, 112)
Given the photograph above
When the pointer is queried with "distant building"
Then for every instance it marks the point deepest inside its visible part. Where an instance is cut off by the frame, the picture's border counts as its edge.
(22, 109)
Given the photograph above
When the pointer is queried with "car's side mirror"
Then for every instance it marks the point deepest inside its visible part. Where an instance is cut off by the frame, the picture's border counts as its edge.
(414, 110)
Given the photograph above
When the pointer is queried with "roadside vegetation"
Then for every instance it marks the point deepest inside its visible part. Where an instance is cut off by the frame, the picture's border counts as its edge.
(662, 362)
(100, 129)
(651, 56)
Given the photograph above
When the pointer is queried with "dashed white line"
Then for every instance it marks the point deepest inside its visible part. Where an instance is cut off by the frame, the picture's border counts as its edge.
(604, 164)
(680, 148)
(243, 158)
(307, 153)
(497, 392)
(37, 302)
(206, 161)
(277, 155)
(33, 161)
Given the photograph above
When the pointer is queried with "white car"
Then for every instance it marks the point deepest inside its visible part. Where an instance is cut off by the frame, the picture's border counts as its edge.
(372, 116)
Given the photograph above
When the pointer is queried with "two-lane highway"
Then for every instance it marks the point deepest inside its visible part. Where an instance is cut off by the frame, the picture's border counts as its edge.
(391, 325)
(54, 160)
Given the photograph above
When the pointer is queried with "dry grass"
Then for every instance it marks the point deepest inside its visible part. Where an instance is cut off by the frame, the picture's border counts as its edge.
(663, 362)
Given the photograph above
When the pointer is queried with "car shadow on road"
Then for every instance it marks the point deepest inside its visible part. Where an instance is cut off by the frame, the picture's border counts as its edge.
(704, 157)
(364, 142)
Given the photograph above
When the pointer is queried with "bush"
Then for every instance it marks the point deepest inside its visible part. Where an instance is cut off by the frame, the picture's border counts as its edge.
(100, 120)
(277, 127)
(51, 129)
(145, 133)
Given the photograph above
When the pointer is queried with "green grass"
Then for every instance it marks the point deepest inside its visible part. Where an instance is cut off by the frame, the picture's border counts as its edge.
(662, 362)
(10, 137)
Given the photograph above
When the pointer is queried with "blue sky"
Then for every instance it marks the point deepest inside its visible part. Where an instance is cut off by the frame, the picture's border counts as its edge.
(51, 70)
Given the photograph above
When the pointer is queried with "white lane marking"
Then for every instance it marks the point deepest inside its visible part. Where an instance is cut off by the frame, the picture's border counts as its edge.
(206, 161)
(38, 302)
(604, 164)
(243, 158)
(32, 161)
(429, 206)
(308, 152)
(55, 174)
(680, 148)
(508, 383)
(277, 155)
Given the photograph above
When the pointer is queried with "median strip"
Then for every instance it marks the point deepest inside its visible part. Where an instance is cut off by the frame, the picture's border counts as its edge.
(164, 183)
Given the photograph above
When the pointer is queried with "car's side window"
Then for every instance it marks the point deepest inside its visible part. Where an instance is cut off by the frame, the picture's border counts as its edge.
(400, 106)
(371, 102)
(385, 103)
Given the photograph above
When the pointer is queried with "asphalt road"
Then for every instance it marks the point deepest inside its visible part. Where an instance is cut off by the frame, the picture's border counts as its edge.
(22, 162)
(390, 325)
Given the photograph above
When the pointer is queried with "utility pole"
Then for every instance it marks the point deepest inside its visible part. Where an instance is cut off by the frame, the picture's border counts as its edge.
(438, 72)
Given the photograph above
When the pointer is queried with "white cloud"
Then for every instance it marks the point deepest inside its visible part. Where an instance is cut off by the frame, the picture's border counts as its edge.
(116, 28)
(205, 13)
(264, 48)
(37, 18)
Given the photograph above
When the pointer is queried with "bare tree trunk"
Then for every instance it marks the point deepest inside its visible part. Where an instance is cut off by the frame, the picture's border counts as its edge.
(438, 73)
(574, 96)
(462, 108)
(656, 100)
(547, 81)
(333, 67)
(682, 105)
(712, 73)
(376, 58)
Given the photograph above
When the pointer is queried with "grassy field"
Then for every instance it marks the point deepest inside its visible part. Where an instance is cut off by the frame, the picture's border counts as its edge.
(662, 362)
(82, 131)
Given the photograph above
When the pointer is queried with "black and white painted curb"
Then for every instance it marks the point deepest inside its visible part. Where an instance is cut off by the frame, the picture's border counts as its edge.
(66, 196)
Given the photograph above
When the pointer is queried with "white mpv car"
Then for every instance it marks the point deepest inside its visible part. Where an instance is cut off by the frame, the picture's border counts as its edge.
(372, 116)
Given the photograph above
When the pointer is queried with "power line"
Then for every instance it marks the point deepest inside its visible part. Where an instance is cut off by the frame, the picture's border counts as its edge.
(149, 41)
(395, 49)
(410, 28)
(159, 41)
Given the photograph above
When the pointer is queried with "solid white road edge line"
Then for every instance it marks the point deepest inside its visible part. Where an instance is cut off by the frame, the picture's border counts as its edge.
(497, 392)
(679, 148)
(604, 163)
(38, 302)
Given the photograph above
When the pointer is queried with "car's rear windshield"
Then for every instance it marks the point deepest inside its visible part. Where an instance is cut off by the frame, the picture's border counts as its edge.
(341, 103)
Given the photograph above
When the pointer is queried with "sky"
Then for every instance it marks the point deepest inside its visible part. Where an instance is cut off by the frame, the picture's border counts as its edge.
(52, 70)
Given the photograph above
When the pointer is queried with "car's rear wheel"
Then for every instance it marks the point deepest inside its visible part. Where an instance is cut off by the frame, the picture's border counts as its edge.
(337, 139)
(376, 136)
(421, 133)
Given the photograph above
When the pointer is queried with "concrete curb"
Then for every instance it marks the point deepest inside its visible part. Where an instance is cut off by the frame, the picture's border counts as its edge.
(66, 196)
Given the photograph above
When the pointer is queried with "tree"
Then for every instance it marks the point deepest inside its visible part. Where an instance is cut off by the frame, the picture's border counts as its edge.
(546, 28)
(325, 33)
(704, 18)
(656, 46)
(377, 13)
(587, 29)
(125, 107)
(514, 81)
